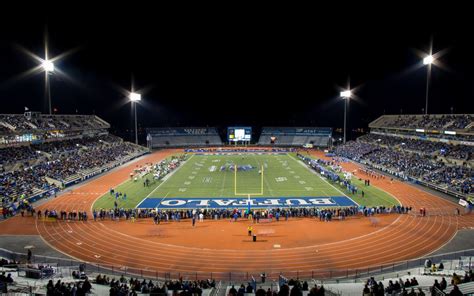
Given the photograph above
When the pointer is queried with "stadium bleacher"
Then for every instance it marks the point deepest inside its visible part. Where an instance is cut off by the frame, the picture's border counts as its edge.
(183, 137)
(437, 158)
(295, 136)
(40, 154)
(458, 122)
(36, 122)
(453, 127)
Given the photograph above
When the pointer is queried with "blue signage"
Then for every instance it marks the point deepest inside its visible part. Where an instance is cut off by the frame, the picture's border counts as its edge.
(297, 131)
(239, 202)
(178, 131)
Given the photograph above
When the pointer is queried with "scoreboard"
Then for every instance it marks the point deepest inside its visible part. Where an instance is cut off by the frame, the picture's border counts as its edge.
(237, 134)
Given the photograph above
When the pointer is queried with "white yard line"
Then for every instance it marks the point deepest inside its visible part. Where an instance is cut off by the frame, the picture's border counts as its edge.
(164, 181)
(92, 205)
(158, 206)
(223, 182)
(314, 172)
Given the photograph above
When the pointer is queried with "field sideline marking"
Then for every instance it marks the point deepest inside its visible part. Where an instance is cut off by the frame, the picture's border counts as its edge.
(92, 204)
(159, 204)
(376, 187)
(169, 176)
(303, 164)
(100, 176)
(223, 182)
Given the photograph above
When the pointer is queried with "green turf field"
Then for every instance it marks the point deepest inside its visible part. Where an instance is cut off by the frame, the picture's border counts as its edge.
(373, 196)
(200, 176)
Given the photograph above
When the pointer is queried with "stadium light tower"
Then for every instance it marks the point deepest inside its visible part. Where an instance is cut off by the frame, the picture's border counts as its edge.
(134, 99)
(48, 68)
(428, 60)
(346, 96)
(46, 64)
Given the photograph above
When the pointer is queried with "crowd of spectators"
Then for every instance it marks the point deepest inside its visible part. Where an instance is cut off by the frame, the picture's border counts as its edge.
(399, 287)
(379, 139)
(21, 183)
(411, 286)
(455, 281)
(122, 286)
(293, 287)
(165, 166)
(49, 122)
(462, 152)
(12, 155)
(24, 181)
(82, 155)
(439, 122)
(454, 177)
(407, 158)
(68, 289)
(462, 121)
(355, 150)
(16, 121)
(72, 145)
(405, 121)
(403, 163)
(5, 280)
(81, 160)
(269, 215)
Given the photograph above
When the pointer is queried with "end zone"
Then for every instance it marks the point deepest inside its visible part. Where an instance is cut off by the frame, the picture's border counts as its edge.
(238, 202)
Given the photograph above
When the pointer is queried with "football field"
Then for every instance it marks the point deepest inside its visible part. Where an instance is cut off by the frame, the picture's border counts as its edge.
(238, 176)
(214, 176)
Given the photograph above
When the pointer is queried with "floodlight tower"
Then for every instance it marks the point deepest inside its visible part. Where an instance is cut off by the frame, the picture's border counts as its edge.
(428, 60)
(134, 99)
(48, 68)
(346, 96)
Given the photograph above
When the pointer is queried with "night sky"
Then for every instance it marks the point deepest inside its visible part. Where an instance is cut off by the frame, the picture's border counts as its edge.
(258, 67)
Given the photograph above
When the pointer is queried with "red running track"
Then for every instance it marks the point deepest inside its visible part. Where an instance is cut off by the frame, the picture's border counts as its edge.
(408, 237)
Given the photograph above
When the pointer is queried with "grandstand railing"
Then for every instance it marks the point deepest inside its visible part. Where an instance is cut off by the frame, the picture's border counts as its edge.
(456, 263)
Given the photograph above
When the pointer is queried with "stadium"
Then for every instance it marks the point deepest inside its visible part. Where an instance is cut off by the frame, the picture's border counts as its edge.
(118, 202)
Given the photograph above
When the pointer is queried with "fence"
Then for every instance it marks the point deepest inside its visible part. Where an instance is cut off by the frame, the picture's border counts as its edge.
(456, 261)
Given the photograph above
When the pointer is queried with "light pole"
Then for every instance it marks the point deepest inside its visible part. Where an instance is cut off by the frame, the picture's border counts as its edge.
(48, 67)
(134, 99)
(428, 60)
(346, 95)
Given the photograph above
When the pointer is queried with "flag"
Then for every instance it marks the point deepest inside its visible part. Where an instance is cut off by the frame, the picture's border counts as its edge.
(248, 204)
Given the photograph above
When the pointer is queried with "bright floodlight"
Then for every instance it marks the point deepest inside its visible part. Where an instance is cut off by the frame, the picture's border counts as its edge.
(48, 66)
(134, 97)
(346, 94)
(428, 60)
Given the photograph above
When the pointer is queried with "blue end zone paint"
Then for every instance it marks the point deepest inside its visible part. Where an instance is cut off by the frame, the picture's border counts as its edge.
(238, 202)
